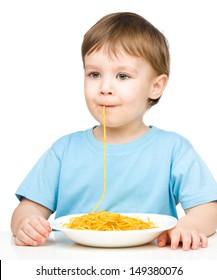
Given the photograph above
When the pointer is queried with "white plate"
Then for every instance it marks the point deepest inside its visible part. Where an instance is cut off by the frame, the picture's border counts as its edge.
(123, 238)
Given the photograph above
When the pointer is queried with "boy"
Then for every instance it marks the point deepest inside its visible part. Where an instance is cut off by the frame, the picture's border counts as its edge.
(126, 64)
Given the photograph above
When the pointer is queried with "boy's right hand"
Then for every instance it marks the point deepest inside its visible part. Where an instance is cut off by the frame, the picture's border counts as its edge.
(33, 231)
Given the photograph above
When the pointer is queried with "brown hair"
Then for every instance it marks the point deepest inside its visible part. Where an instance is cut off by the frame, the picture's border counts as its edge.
(133, 34)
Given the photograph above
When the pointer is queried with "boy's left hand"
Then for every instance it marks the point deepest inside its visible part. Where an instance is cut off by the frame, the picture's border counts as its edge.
(189, 239)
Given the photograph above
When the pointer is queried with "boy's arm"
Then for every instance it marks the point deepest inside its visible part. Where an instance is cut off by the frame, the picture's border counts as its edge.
(203, 217)
(29, 223)
(193, 229)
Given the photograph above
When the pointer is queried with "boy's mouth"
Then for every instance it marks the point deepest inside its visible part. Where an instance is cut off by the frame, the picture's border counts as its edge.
(109, 105)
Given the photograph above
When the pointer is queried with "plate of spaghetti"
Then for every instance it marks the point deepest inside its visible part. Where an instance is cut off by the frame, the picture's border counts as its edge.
(108, 229)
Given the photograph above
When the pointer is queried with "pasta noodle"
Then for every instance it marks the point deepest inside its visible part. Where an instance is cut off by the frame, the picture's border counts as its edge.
(104, 159)
(107, 221)
(103, 220)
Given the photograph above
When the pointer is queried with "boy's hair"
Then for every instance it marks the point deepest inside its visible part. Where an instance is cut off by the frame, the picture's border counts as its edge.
(134, 35)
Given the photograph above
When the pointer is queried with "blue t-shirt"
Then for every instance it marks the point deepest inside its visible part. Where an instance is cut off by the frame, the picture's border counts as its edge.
(151, 174)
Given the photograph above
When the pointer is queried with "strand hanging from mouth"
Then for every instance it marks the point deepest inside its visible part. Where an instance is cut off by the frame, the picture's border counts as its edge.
(104, 220)
(104, 159)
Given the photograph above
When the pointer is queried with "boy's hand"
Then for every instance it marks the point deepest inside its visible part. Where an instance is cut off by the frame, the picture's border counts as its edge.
(189, 239)
(192, 229)
(33, 231)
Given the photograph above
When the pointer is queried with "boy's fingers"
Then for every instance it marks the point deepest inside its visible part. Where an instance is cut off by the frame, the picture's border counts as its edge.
(186, 239)
(203, 240)
(38, 234)
(18, 242)
(41, 228)
(45, 223)
(163, 239)
(196, 241)
(175, 237)
(22, 239)
(33, 231)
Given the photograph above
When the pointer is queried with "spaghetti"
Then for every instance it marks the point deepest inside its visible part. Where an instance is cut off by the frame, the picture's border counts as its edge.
(103, 220)
(104, 159)
(107, 221)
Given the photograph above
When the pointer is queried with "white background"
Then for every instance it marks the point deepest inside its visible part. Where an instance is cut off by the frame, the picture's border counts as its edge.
(41, 78)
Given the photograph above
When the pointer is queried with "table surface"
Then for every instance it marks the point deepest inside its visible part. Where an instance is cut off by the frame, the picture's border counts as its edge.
(60, 247)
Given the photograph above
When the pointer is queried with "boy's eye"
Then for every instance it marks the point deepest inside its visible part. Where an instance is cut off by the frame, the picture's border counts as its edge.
(94, 75)
(122, 76)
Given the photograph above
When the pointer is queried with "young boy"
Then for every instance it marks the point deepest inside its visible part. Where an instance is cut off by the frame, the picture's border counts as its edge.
(126, 64)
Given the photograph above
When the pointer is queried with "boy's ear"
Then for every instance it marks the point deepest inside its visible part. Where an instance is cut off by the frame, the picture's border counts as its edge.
(158, 87)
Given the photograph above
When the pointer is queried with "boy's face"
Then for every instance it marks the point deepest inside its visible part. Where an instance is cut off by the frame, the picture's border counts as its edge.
(122, 83)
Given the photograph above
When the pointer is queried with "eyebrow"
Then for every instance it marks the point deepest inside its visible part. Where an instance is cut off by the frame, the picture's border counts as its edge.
(91, 66)
(118, 68)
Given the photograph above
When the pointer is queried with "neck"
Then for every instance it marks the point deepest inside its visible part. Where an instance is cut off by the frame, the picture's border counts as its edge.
(121, 135)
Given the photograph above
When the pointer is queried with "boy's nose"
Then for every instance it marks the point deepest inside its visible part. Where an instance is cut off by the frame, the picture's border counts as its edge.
(106, 92)
(106, 88)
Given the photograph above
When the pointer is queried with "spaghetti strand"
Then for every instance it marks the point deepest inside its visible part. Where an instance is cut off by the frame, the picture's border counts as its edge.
(104, 159)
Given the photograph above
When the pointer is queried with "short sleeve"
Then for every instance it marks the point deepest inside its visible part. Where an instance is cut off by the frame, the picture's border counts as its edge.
(41, 184)
(192, 182)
